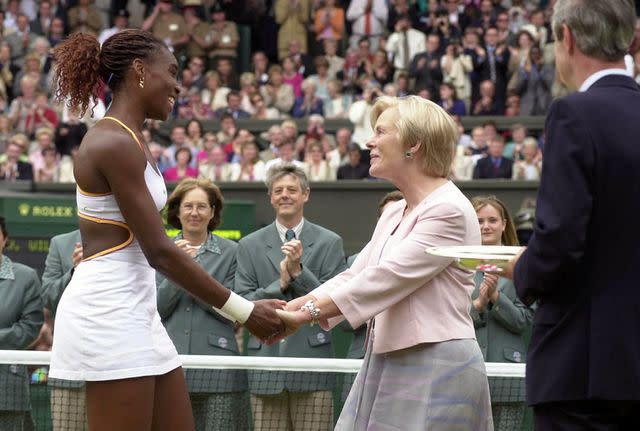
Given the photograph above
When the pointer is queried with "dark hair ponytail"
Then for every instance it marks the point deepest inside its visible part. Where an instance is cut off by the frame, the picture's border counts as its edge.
(81, 63)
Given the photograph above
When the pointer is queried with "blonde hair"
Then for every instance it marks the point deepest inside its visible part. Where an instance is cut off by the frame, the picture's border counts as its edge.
(423, 122)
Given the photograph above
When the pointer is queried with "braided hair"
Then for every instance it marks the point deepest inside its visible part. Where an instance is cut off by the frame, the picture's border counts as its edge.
(81, 64)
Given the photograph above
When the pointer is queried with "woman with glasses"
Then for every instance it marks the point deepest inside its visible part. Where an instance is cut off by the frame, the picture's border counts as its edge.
(218, 398)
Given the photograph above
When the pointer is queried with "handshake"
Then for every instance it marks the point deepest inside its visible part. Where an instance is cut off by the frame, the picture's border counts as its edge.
(271, 320)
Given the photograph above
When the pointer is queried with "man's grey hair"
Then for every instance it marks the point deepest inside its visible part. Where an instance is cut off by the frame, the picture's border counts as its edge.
(282, 170)
(603, 29)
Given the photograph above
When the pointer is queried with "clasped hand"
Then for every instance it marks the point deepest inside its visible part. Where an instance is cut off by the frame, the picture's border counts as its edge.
(294, 316)
(290, 267)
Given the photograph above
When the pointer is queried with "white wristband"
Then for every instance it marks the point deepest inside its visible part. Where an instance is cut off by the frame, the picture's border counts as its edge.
(236, 309)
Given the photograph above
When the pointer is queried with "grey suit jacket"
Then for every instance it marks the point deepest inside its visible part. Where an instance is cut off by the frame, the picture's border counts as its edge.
(21, 318)
(258, 277)
(58, 270)
(195, 328)
(357, 347)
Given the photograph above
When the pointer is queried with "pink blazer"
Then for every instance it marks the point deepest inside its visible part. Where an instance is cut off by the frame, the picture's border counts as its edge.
(414, 297)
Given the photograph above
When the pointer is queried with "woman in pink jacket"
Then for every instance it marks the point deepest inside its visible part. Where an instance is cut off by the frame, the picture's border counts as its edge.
(423, 369)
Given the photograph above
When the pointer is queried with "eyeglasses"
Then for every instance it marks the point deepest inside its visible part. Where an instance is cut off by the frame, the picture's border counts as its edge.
(188, 207)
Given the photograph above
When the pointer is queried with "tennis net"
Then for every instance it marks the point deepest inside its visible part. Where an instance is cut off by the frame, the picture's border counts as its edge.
(228, 393)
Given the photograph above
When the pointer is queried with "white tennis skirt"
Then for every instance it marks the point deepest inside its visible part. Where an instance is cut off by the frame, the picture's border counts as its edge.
(107, 325)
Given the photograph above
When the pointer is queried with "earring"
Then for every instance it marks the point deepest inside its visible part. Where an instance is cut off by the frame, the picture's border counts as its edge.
(408, 155)
(141, 82)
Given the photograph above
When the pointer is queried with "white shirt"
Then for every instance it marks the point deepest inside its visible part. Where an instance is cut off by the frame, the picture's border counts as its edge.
(356, 14)
(282, 230)
(395, 44)
(601, 74)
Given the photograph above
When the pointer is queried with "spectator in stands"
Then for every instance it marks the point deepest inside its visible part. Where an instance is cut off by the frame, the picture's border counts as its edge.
(449, 100)
(291, 76)
(250, 167)
(12, 168)
(56, 31)
(157, 153)
(21, 317)
(42, 48)
(269, 266)
(491, 63)
(359, 114)
(5, 132)
(209, 140)
(513, 105)
(194, 136)
(40, 115)
(228, 76)
(349, 73)
(31, 67)
(278, 94)
(379, 68)
(85, 18)
(167, 26)
(336, 63)
(213, 94)
(315, 131)
(44, 139)
(318, 167)
(505, 35)
(22, 105)
(182, 168)
(490, 130)
(456, 66)
(368, 19)
(216, 169)
(339, 155)
(495, 165)
(69, 134)
(42, 23)
(224, 36)
(425, 66)
(228, 129)
(274, 137)
(520, 53)
(355, 169)
(303, 61)
(248, 87)
(531, 167)
(513, 149)
(10, 15)
(120, 22)
(404, 43)
(292, 16)
(49, 171)
(329, 21)
(499, 317)
(321, 78)
(233, 107)
(260, 68)
(487, 104)
(289, 130)
(197, 67)
(20, 40)
(338, 103)
(67, 397)
(66, 164)
(533, 83)
(6, 74)
(260, 109)
(218, 398)
(200, 36)
(309, 103)
(286, 156)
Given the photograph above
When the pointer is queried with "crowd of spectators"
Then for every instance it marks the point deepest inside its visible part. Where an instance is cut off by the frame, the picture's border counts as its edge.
(310, 59)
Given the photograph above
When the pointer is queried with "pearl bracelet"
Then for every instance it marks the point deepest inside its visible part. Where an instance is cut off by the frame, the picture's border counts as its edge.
(313, 310)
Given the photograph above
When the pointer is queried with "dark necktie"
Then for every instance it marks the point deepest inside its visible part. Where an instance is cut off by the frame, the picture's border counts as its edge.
(405, 50)
(289, 235)
(492, 64)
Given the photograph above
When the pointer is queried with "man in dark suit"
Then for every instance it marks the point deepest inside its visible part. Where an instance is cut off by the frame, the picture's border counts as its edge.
(285, 260)
(12, 168)
(233, 107)
(495, 165)
(581, 262)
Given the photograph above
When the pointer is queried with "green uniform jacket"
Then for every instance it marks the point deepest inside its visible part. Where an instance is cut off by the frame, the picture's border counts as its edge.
(21, 318)
(195, 328)
(500, 327)
(58, 270)
(258, 277)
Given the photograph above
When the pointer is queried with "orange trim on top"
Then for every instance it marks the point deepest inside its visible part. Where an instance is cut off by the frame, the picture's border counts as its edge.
(135, 138)
(92, 194)
(112, 222)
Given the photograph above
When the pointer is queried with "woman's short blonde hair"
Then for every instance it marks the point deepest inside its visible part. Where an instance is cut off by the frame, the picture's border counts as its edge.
(422, 122)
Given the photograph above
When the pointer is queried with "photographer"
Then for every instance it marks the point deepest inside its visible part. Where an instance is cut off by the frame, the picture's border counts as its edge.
(456, 66)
